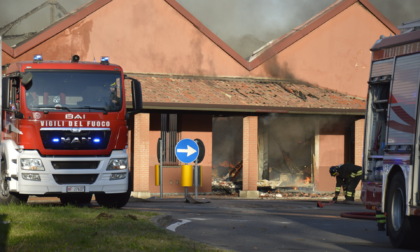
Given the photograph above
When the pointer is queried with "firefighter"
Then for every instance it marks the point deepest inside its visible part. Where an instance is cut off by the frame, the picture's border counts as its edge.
(380, 220)
(31, 99)
(347, 176)
(115, 100)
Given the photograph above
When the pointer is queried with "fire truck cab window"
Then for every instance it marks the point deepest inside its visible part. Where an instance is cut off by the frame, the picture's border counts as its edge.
(83, 91)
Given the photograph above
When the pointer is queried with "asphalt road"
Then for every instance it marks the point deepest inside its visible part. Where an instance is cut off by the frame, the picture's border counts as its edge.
(268, 224)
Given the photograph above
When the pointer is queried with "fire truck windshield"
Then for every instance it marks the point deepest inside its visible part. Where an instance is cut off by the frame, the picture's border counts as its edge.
(76, 90)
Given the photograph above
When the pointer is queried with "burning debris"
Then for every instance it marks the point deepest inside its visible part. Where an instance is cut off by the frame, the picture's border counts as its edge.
(233, 173)
(231, 182)
(223, 186)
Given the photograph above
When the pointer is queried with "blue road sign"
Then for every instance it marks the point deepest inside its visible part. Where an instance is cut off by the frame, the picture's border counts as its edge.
(186, 150)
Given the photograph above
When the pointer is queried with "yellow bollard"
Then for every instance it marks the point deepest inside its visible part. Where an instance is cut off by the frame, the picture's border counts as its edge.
(186, 175)
(157, 175)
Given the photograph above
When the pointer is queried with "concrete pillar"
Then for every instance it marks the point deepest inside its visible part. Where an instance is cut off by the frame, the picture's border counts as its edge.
(359, 135)
(141, 174)
(250, 158)
(315, 161)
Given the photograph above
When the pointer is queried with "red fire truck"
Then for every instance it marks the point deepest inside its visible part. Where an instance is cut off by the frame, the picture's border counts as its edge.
(64, 131)
(391, 158)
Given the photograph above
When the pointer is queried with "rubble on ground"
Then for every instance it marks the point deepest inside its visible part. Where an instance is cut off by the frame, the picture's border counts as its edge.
(222, 186)
(287, 194)
(269, 190)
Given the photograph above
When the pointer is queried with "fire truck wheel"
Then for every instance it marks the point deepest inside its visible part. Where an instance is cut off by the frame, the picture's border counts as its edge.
(116, 200)
(76, 199)
(7, 197)
(401, 228)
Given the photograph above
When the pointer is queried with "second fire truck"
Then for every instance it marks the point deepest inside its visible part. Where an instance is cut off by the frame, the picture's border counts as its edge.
(391, 158)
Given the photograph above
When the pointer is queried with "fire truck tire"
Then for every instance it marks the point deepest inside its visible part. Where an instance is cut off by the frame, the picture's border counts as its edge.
(76, 199)
(116, 200)
(401, 229)
(7, 197)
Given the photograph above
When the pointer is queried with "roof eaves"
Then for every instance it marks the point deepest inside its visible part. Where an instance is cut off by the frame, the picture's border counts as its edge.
(371, 8)
(7, 49)
(249, 109)
(55, 28)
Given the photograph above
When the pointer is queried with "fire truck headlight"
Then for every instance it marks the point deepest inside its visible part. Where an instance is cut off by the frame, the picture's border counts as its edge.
(31, 176)
(117, 164)
(118, 175)
(31, 164)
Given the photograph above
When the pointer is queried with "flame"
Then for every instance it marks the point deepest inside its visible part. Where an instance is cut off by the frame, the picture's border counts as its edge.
(307, 180)
(227, 164)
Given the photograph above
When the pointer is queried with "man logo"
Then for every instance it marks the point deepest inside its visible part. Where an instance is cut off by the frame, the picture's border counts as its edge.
(76, 140)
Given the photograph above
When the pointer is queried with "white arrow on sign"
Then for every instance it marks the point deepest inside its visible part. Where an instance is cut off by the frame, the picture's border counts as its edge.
(189, 150)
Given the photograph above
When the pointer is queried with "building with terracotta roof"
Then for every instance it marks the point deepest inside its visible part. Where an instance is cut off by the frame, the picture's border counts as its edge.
(280, 118)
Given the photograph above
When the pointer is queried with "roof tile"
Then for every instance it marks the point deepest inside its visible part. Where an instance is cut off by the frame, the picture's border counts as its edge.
(249, 93)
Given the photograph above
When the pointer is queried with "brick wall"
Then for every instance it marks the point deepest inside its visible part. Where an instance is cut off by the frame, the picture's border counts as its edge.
(250, 153)
(141, 153)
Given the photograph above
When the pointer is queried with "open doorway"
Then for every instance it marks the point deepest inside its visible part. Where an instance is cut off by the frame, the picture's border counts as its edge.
(286, 150)
(227, 152)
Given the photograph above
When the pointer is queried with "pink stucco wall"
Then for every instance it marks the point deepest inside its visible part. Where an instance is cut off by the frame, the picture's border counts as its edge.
(336, 55)
(331, 152)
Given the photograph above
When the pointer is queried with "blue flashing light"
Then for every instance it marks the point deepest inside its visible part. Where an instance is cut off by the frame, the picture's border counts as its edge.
(56, 140)
(97, 140)
(38, 58)
(105, 60)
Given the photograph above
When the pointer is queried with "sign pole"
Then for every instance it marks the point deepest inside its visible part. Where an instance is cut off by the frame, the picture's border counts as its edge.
(187, 151)
(196, 178)
(161, 168)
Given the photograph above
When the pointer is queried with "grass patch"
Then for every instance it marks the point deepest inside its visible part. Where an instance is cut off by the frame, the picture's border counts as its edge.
(69, 228)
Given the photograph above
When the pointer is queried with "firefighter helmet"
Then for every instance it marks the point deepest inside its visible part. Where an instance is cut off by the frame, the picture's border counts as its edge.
(334, 170)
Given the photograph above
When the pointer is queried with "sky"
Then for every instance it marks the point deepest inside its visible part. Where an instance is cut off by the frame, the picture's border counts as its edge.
(11, 10)
(245, 25)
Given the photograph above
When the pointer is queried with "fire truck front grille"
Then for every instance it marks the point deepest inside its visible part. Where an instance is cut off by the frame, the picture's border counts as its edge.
(75, 178)
(71, 139)
(75, 164)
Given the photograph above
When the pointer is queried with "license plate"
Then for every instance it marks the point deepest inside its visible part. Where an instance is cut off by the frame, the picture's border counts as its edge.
(75, 189)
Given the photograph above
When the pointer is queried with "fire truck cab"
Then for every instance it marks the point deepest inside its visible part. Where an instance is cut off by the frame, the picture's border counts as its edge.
(64, 131)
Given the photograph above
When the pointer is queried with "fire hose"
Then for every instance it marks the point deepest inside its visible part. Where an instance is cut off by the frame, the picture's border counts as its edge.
(359, 215)
(354, 215)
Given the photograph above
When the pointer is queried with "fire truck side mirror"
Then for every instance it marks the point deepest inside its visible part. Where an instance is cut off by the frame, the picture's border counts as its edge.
(4, 93)
(26, 78)
(136, 94)
(18, 115)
